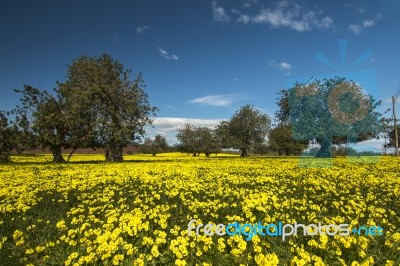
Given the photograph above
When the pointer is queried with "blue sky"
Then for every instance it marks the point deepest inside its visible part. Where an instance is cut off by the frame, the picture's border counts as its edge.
(201, 60)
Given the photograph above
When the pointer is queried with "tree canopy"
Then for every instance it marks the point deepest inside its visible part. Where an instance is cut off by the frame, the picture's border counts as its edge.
(196, 140)
(247, 128)
(154, 146)
(97, 106)
(111, 109)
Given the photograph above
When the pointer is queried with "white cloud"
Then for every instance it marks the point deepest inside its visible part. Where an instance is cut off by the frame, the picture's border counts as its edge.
(326, 22)
(291, 15)
(166, 55)
(368, 23)
(355, 28)
(283, 14)
(170, 107)
(142, 29)
(168, 124)
(250, 3)
(235, 11)
(244, 19)
(369, 145)
(360, 10)
(282, 66)
(219, 12)
(222, 100)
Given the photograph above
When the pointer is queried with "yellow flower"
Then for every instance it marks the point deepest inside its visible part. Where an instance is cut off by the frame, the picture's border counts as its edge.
(180, 262)
(29, 251)
(154, 251)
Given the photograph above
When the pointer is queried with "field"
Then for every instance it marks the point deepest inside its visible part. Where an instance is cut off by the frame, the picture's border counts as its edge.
(89, 212)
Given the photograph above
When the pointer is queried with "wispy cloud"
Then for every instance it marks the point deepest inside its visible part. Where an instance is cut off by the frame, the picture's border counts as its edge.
(244, 19)
(142, 29)
(368, 23)
(170, 107)
(250, 3)
(285, 14)
(219, 12)
(167, 55)
(355, 28)
(291, 15)
(221, 100)
(282, 66)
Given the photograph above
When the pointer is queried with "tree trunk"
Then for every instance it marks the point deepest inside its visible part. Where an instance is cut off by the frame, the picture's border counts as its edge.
(194, 154)
(57, 154)
(70, 154)
(244, 153)
(4, 158)
(207, 154)
(325, 150)
(114, 154)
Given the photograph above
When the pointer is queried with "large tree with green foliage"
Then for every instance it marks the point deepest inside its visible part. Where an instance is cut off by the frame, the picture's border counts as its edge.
(111, 109)
(247, 128)
(330, 111)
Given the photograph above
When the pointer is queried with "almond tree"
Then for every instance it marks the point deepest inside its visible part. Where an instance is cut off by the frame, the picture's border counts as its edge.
(111, 108)
(247, 128)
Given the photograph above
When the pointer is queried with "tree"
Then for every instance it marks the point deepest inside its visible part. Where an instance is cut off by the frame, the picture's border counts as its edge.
(262, 149)
(188, 142)
(196, 140)
(280, 139)
(331, 111)
(6, 144)
(111, 109)
(247, 128)
(23, 135)
(207, 140)
(47, 119)
(159, 144)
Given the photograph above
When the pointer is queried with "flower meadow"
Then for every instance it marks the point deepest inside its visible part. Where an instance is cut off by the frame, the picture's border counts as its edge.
(89, 212)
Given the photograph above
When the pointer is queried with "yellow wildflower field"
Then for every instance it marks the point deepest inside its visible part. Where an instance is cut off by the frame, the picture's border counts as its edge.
(137, 212)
